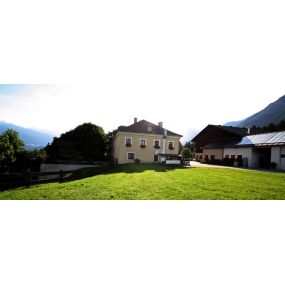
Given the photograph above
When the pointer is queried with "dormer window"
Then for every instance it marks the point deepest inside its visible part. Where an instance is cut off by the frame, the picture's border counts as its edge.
(149, 129)
(128, 142)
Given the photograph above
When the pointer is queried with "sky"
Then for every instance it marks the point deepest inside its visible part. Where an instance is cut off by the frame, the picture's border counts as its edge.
(187, 64)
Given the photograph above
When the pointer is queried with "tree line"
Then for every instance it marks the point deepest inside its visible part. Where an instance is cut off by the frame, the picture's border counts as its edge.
(86, 143)
(269, 128)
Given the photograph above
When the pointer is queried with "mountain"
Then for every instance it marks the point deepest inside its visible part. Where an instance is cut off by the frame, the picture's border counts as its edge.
(33, 139)
(273, 113)
(233, 123)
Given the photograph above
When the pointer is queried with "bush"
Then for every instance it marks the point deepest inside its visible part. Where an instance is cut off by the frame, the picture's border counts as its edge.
(228, 162)
(273, 165)
(137, 161)
(216, 162)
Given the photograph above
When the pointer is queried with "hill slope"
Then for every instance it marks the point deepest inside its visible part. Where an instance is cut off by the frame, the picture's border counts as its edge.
(32, 139)
(233, 123)
(273, 113)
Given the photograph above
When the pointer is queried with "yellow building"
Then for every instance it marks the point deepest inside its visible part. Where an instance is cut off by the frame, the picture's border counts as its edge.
(145, 141)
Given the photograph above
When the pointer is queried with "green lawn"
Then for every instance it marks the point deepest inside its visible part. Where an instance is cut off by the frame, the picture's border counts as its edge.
(162, 182)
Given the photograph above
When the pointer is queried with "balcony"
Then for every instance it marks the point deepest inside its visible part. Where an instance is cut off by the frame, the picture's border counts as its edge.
(171, 147)
(128, 144)
(157, 146)
(142, 145)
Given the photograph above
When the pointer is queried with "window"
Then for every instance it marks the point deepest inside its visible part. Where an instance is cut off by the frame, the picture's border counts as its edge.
(282, 155)
(212, 157)
(128, 141)
(239, 157)
(157, 143)
(233, 157)
(171, 145)
(227, 157)
(131, 155)
(143, 143)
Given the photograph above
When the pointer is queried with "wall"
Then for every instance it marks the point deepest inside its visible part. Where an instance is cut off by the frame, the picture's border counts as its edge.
(275, 155)
(217, 152)
(146, 155)
(246, 152)
(282, 160)
(63, 167)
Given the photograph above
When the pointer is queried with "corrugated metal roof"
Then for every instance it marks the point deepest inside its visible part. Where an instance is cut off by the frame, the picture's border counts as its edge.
(277, 138)
(263, 139)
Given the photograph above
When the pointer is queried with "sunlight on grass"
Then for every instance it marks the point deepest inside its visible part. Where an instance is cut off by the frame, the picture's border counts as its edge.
(147, 182)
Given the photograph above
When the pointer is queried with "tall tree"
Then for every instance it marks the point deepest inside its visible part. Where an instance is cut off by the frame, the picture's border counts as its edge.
(10, 146)
(186, 153)
(85, 142)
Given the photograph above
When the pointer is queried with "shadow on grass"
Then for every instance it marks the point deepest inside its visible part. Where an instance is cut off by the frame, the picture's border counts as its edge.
(89, 172)
(139, 168)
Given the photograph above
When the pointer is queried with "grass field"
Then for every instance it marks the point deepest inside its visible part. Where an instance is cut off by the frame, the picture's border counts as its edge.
(162, 182)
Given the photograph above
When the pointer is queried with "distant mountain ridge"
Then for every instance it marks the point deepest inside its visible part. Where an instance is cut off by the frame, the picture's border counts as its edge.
(33, 139)
(273, 113)
(233, 123)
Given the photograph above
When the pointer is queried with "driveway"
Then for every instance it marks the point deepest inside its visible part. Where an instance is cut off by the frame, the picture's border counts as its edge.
(198, 164)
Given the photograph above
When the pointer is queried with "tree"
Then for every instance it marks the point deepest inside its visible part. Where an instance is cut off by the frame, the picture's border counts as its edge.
(10, 146)
(281, 126)
(86, 142)
(272, 127)
(186, 153)
(190, 145)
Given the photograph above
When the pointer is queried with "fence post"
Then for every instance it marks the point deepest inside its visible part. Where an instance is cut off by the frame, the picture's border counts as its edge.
(28, 178)
(60, 176)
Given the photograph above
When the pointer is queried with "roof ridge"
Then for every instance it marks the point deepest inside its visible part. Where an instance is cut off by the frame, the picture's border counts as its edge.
(265, 133)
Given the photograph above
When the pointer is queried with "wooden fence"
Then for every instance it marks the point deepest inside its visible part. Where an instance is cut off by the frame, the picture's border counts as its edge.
(26, 179)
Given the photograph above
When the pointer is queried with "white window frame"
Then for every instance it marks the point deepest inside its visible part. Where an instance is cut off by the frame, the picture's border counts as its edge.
(141, 139)
(130, 139)
(155, 141)
(172, 143)
(130, 158)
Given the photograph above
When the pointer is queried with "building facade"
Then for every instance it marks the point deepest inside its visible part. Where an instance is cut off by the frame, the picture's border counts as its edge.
(251, 150)
(146, 142)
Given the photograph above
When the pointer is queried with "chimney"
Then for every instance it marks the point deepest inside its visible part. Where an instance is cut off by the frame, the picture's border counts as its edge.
(135, 120)
(160, 124)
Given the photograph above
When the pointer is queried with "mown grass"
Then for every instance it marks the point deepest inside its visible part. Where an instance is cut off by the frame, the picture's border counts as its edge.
(148, 182)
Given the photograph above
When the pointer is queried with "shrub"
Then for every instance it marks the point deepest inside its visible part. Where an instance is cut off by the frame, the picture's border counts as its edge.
(228, 162)
(273, 165)
(217, 161)
(137, 161)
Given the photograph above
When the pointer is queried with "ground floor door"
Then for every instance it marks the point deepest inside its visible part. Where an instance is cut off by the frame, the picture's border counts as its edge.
(262, 157)
(155, 158)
